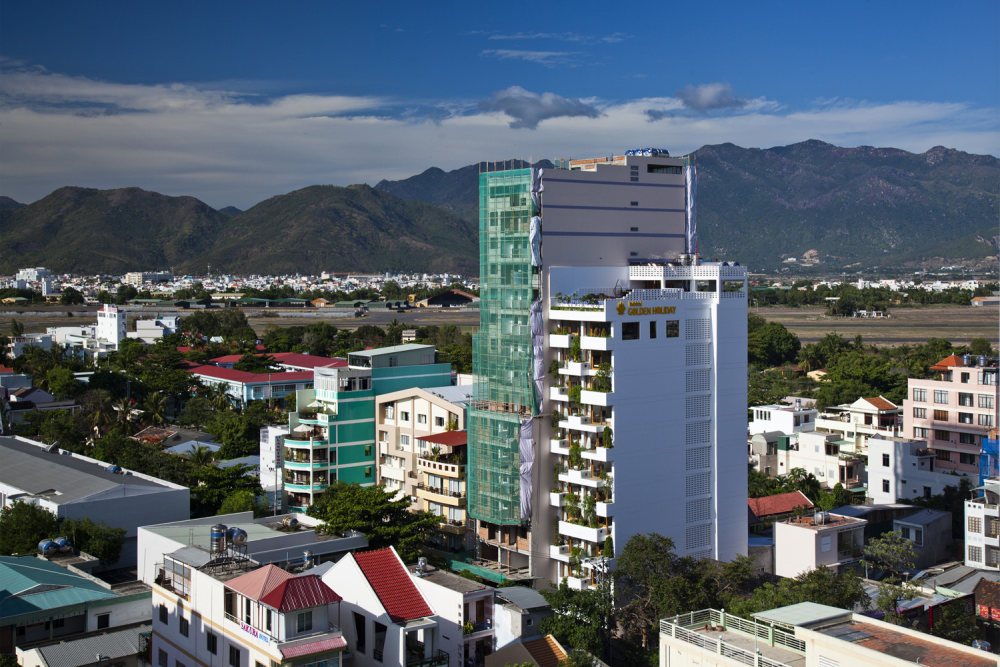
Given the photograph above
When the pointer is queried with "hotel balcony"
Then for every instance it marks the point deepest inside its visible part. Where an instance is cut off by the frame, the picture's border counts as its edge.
(319, 639)
(581, 478)
(578, 583)
(600, 398)
(453, 527)
(559, 340)
(602, 454)
(559, 552)
(600, 343)
(445, 466)
(557, 499)
(559, 446)
(388, 471)
(605, 509)
(576, 368)
(559, 393)
(593, 535)
(441, 496)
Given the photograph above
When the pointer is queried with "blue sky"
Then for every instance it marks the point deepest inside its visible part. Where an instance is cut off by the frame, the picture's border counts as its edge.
(236, 102)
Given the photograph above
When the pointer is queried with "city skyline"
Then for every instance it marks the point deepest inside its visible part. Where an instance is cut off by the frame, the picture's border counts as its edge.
(233, 104)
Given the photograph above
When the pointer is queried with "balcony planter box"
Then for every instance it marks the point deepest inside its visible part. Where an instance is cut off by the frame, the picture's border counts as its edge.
(559, 340)
(593, 535)
(556, 499)
(602, 454)
(559, 446)
(559, 551)
(595, 343)
(578, 583)
(595, 398)
(581, 477)
(558, 394)
(573, 368)
(605, 509)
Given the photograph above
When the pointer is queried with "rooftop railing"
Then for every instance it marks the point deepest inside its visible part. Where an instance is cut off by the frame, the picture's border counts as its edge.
(685, 627)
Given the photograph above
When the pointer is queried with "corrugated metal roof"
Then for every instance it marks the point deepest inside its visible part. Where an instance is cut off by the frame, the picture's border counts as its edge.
(312, 648)
(392, 584)
(803, 613)
(522, 597)
(299, 593)
(193, 556)
(110, 646)
(546, 651)
(232, 375)
(29, 584)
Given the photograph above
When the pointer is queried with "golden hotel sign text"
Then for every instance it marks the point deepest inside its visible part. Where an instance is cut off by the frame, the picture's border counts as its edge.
(636, 308)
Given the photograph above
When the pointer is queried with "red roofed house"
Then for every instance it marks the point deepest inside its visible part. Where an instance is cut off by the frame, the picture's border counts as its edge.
(855, 421)
(954, 411)
(289, 361)
(244, 387)
(214, 609)
(768, 509)
(386, 620)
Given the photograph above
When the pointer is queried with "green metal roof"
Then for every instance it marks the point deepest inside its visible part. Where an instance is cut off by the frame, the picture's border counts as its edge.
(32, 584)
(803, 613)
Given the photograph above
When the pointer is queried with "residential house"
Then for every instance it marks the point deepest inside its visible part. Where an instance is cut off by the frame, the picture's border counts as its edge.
(831, 459)
(786, 419)
(386, 620)
(765, 510)
(802, 544)
(900, 469)
(930, 532)
(864, 417)
(518, 612)
(465, 611)
(243, 386)
(982, 526)
(127, 648)
(542, 652)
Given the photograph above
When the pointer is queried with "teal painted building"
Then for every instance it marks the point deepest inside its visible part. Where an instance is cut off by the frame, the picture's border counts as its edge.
(332, 435)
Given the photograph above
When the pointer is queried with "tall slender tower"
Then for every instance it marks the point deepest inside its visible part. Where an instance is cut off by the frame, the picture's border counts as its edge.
(611, 370)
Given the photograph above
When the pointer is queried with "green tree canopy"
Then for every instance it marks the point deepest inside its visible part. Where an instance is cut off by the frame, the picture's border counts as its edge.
(23, 526)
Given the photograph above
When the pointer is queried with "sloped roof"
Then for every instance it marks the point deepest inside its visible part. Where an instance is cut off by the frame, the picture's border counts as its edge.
(988, 593)
(110, 646)
(312, 648)
(881, 403)
(778, 504)
(29, 584)
(546, 651)
(233, 375)
(951, 361)
(448, 438)
(299, 593)
(392, 584)
(257, 584)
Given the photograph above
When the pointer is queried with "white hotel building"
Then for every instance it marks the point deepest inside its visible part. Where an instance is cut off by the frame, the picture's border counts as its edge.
(631, 372)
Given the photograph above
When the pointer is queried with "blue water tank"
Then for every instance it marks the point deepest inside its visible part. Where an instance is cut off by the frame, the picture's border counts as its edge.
(65, 546)
(48, 547)
(217, 538)
(237, 536)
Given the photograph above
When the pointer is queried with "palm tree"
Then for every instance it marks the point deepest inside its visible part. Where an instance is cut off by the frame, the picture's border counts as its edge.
(201, 455)
(155, 406)
(218, 397)
(101, 414)
(124, 409)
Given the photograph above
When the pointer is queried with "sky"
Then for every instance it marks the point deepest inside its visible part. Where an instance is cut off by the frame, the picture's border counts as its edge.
(235, 102)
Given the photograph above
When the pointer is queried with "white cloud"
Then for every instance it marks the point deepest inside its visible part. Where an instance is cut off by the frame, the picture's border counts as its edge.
(710, 96)
(546, 58)
(613, 38)
(229, 148)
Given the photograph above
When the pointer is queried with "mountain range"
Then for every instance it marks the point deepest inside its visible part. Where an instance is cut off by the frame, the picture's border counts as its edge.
(807, 204)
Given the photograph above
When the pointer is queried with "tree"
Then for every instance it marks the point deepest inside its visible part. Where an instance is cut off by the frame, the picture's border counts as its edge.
(16, 328)
(980, 347)
(822, 586)
(893, 555)
(770, 343)
(239, 501)
(71, 297)
(646, 562)
(255, 363)
(201, 456)
(372, 510)
(580, 619)
(97, 539)
(211, 486)
(56, 426)
(23, 526)
(155, 407)
(954, 623)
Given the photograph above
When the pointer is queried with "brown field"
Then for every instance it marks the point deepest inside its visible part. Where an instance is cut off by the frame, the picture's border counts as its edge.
(905, 326)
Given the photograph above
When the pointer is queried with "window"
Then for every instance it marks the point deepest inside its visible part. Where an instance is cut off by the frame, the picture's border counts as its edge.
(103, 621)
(904, 532)
(633, 203)
(885, 486)
(885, 460)
(404, 416)
(942, 435)
(673, 329)
(390, 411)
(163, 613)
(975, 525)
(439, 421)
(421, 419)
(987, 377)
(986, 420)
(942, 455)
(964, 417)
(304, 622)
(964, 399)
(359, 633)
(368, 472)
(662, 169)
(183, 626)
(234, 656)
(368, 450)
(404, 441)
(267, 620)
(920, 395)
(161, 658)
(940, 397)
(941, 415)
(633, 229)
(967, 438)
(976, 554)
(630, 330)
(920, 413)
(921, 432)
(211, 642)
(985, 401)
(652, 330)
(967, 459)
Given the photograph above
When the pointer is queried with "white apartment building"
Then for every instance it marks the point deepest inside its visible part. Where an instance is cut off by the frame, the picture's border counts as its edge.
(786, 419)
(900, 469)
(873, 416)
(955, 411)
(465, 613)
(111, 326)
(33, 275)
(802, 544)
(832, 460)
(605, 364)
(982, 527)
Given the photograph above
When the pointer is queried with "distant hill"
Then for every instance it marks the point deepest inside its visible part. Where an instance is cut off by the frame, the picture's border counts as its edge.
(82, 230)
(8, 204)
(853, 207)
(356, 228)
(230, 211)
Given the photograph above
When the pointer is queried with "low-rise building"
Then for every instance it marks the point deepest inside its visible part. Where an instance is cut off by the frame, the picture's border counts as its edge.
(786, 419)
(518, 612)
(802, 544)
(901, 469)
(982, 527)
(804, 634)
(74, 486)
(465, 611)
(831, 459)
(542, 652)
(930, 532)
(864, 417)
(765, 510)
(441, 489)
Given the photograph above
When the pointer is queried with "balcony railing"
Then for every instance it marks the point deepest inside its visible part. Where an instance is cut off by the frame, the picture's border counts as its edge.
(436, 658)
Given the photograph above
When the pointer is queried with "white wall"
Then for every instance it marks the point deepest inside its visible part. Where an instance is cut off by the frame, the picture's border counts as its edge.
(795, 549)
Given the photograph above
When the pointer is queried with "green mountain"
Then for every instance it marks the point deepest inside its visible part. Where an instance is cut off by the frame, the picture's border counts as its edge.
(837, 207)
(356, 228)
(81, 230)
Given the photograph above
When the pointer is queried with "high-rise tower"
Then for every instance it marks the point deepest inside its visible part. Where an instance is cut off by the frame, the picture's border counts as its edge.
(610, 367)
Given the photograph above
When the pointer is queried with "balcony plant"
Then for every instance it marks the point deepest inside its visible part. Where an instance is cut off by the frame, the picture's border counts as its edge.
(589, 507)
(571, 503)
(609, 548)
(575, 458)
(575, 560)
(574, 349)
(607, 438)
(602, 380)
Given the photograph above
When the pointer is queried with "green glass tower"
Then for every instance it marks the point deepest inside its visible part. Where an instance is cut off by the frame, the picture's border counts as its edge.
(502, 351)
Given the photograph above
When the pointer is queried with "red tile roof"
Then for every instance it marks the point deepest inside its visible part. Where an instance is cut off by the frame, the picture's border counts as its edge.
(5, 370)
(881, 403)
(299, 593)
(947, 363)
(449, 438)
(290, 358)
(232, 375)
(392, 584)
(312, 648)
(257, 584)
(546, 651)
(781, 503)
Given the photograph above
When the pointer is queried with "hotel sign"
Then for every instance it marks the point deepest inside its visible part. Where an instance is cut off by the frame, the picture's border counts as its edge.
(635, 308)
(255, 633)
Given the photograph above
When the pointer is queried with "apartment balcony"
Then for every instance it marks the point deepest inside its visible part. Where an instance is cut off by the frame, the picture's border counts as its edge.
(605, 509)
(388, 471)
(303, 441)
(602, 454)
(581, 478)
(599, 343)
(441, 496)
(559, 340)
(557, 499)
(301, 643)
(559, 393)
(559, 552)
(306, 486)
(600, 398)
(576, 368)
(578, 583)
(593, 535)
(559, 446)
(318, 464)
(442, 467)
(582, 423)
(453, 527)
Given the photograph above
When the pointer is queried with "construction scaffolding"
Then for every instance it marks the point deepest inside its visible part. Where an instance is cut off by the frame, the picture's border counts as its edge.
(502, 349)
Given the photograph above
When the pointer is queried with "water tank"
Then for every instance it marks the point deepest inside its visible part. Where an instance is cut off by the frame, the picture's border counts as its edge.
(819, 518)
(307, 558)
(421, 564)
(65, 546)
(982, 360)
(966, 359)
(236, 536)
(48, 547)
(217, 538)
(113, 469)
(290, 522)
